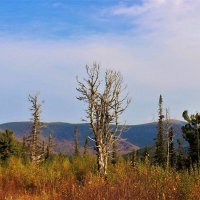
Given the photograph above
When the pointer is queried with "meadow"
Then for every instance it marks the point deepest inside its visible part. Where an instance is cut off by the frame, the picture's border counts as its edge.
(74, 177)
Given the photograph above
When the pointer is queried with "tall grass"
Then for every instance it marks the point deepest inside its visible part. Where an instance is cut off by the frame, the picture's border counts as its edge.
(75, 178)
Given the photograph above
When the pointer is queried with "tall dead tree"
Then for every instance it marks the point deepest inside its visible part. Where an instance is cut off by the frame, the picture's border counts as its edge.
(104, 106)
(35, 146)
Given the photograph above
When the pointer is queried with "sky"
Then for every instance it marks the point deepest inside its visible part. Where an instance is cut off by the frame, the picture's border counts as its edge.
(45, 44)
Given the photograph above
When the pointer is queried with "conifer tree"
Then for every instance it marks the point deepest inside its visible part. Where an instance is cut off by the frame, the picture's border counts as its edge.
(159, 146)
(172, 154)
(191, 134)
(114, 154)
(9, 146)
(180, 160)
(170, 151)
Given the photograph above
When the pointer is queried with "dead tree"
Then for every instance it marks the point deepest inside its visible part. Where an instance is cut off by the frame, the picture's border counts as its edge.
(35, 146)
(104, 106)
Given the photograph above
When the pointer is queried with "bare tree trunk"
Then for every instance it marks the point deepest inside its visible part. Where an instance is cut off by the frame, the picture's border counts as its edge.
(34, 140)
(36, 149)
(104, 108)
(105, 165)
(102, 162)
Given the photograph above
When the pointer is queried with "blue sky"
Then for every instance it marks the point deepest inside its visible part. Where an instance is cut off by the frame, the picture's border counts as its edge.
(44, 45)
(60, 19)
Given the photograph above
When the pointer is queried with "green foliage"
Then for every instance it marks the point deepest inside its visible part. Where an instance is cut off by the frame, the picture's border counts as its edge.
(172, 151)
(191, 135)
(159, 146)
(180, 158)
(114, 154)
(9, 146)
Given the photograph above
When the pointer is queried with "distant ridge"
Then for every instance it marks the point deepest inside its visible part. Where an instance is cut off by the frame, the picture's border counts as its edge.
(137, 136)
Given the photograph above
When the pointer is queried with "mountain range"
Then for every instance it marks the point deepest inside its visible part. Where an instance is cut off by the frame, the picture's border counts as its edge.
(134, 137)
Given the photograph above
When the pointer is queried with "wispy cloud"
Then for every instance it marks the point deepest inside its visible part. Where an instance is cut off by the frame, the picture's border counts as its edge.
(161, 16)
(171, 32)
(157, 53)
(150, 6)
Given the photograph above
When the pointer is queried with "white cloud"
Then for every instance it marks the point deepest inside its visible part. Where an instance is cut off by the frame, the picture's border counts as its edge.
(167, 32)
(159, 55)
(170, 32)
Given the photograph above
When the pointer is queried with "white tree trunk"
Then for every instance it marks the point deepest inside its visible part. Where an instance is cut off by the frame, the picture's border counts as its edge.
(102, 161)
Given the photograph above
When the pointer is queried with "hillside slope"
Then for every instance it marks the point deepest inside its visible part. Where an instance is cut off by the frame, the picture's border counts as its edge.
(136, 136)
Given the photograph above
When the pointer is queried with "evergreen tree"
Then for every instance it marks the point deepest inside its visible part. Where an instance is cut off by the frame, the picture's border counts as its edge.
(180, 159)
(191, 135)
(114, 153)
(8, 145)
(159, 146)
(172, 154)
(76, 143)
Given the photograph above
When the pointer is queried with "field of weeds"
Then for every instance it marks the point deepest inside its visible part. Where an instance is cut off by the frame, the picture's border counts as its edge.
(76, 178)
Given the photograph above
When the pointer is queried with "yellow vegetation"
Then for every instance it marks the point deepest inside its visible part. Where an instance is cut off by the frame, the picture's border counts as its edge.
(75, 178)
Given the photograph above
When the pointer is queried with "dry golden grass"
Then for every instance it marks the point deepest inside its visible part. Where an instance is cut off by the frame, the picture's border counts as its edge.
(76, 178)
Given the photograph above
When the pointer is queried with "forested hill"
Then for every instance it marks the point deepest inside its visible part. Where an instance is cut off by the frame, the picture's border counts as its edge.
(144, 134)
(135, 135)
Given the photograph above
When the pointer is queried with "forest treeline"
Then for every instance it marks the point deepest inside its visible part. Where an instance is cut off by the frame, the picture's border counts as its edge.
(31, 169)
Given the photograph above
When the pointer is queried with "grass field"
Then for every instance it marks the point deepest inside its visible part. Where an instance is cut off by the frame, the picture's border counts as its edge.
(76, 178)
